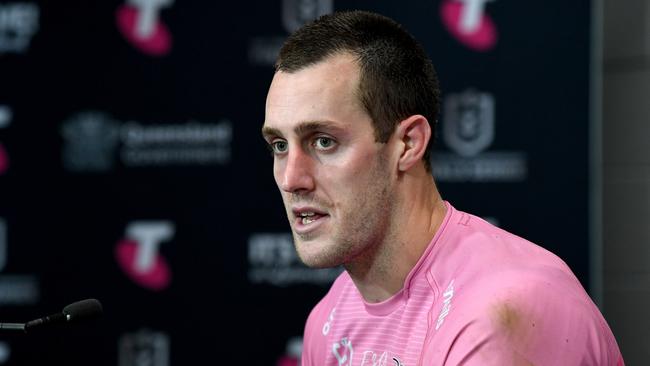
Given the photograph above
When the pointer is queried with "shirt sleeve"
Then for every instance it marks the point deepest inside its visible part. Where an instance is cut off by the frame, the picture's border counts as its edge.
(535, 323)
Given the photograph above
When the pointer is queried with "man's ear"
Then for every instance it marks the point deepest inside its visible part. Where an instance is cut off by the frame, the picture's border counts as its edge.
(414, 132)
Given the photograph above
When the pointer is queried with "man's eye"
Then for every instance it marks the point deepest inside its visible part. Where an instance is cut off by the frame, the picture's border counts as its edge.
(324, 143)
(279, 146)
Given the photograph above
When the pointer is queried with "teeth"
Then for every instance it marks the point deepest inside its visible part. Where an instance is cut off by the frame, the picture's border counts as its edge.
(307, 217)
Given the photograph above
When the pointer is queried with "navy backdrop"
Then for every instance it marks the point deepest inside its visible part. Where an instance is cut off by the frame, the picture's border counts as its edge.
(132, 167)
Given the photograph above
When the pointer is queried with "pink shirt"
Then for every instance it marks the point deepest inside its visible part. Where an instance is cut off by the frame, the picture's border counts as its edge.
(478, 296)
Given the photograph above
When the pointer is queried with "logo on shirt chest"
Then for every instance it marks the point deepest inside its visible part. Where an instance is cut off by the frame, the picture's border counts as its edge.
(370, 358)
(343, 352)
(446, 304)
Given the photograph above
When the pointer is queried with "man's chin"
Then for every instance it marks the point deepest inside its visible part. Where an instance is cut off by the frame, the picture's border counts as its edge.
(313, 253)
(317, 263)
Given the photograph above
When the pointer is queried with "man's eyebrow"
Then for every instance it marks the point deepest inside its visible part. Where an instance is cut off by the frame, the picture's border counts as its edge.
(270, 131)
(302, 129)
(311, 126)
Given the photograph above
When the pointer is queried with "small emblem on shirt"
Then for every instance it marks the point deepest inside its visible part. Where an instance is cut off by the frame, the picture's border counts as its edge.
(343, 352)
(446, 304)
(328, 323)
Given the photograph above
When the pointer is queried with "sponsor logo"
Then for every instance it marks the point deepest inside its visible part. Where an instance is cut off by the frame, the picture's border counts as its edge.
(468, 22)
(328, 324)
(293, 353)
(139, 22)
(94, 142)
(263, 50)
(192, 143)
(371, 358)
(91, 139)
(139, 257)
(19, 22)
(469, 130)
(144, 348)
(15, 289)
(343, 352)
(272, 259)
(446, 304)
(5, 119)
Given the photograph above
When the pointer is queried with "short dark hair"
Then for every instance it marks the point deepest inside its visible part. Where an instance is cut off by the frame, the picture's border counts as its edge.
(397, 78)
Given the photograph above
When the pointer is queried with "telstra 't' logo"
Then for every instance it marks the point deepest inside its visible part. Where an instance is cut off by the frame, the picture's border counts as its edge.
(467, 21)
(140, 24)
(138, 255)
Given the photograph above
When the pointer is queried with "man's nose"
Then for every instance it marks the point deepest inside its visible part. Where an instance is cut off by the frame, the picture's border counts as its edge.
(296, 174)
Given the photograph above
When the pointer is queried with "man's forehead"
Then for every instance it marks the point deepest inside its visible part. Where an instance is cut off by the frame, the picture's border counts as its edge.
(321, 96)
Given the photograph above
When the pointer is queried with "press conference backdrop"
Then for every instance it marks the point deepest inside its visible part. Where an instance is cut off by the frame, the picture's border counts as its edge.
(132, 168)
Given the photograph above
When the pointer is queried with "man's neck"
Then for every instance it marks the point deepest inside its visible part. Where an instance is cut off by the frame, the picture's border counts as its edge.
(380, 273)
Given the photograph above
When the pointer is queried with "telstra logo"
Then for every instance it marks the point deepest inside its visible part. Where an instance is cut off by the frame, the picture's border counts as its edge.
(140, 24)
(467, 21)
(138, 255)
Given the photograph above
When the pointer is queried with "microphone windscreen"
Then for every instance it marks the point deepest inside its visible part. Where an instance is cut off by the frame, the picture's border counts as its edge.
(84, 309)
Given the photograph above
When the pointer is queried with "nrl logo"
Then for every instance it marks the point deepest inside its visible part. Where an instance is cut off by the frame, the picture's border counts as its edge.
(468, 125)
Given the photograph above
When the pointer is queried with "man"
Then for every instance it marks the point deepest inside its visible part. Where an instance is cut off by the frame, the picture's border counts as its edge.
(349, 119)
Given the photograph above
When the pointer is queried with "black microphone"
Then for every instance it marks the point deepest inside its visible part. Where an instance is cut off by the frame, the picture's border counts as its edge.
(75, 312)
